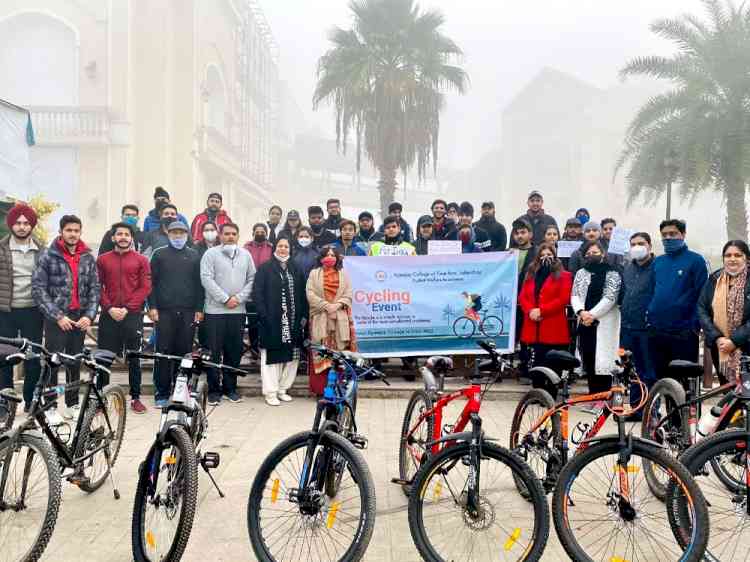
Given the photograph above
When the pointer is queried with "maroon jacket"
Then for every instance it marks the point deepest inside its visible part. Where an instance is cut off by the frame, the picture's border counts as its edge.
(125, 280)
(196, 230)
(260, 253)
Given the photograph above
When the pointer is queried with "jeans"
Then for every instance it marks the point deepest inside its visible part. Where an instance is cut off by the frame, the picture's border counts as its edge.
(175, 338)
(637, 342)
(225, 334)
(116, 336)
(25, 323)
(71, 343)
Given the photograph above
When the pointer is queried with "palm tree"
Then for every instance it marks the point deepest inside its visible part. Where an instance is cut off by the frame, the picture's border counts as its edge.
(703, 122)
(386, 78)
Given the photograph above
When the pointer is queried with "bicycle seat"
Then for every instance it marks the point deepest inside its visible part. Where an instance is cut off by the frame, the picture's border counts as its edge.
(681, 369)
(10, 356)
(103, 357)
(561, 360)
(10, 395)
(353, 356)
(440, 363)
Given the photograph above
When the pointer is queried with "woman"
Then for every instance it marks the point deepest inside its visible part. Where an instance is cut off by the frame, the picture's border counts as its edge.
(552, 234)
(724, 311)
(305, 256)
(329, 295)
(210, 238)
(291, 226)
(595, 291)
(279, 295)
(544, 297)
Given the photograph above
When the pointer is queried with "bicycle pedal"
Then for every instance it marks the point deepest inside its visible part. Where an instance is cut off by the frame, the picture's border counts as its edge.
(359, 441)
(78, 479)
(210, 460)
(400, 482)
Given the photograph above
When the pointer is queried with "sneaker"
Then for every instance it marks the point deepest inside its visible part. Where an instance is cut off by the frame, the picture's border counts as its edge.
(26, 408)
(284, 397)
(137, 406)
(234, 396)
(71, 412)
(53, 417)
(161, 403)
(214, 399)
(271, 400)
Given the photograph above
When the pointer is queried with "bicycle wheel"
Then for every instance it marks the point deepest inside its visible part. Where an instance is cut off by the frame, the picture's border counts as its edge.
(464, 327)
(491, 326)
(506, 527)
(198, 418)
(95, 432)
(286, 523)
(30, 498)
(538, 447)
(604, 511)
(337, 463)
(727, 498)
(664, 399)
(165, 499)
(413, 449)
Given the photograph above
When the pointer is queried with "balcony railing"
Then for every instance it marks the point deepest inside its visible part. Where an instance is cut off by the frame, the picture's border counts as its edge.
(59, 125)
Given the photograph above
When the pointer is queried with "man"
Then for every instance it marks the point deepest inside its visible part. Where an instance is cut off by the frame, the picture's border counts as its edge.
(367, 233)
(424, 235)
(213, 213)
(536, 216)
(333, 222)
(65, 287)
(125, 278)
(637, 292)
(259, 247)
(395, 209)
(274, 223)
(159, 238)
(583, 215)
(227, 274)
(608, 226)
(475, 235)
(19, 314)
(679, 276)
(592, 232)
(175, 303)
(452, 211)
(393, 243)
(573, 230)
(346, 243)
(152, 222)
(494, 229)
(129, 215)
(321, 235)
(443, 228)
(522, 234)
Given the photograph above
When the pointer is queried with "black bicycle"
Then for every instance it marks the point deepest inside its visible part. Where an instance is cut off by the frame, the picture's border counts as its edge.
(32, 467)
(167, 490)
(313, 497)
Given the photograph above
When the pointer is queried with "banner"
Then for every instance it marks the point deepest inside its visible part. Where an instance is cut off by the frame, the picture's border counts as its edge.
(430, 305)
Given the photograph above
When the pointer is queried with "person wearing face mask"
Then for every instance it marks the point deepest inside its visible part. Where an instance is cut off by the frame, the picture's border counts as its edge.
(259, 247)
(544, 297)
(477, 237)
(583, 215)
(175, 303)
(160, 238)
(213, 213)
(210, 239)
(679, 276)
(291, 226)
(467, 237)
(329, 295)
(724, 311)
(594, 298)
(153, 219)
(305, 254)
(637, 291)
(322, 236)
(592, 232)
(227, 273)
(279, 294)
(128, 215)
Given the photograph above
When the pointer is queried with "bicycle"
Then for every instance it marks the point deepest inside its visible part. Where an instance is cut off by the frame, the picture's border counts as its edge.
(32, 467)
(433, 458)
(618, 521)
(671, 414)
(489, 325)
(314, 492)
(167, 489)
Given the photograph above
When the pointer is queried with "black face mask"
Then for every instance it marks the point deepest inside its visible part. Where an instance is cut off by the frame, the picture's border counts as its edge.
(260, 238)
(593, 260)
(166, 221)
(317, 228)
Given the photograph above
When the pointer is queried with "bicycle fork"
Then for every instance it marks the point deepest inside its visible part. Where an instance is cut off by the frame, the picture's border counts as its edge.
(475, 456)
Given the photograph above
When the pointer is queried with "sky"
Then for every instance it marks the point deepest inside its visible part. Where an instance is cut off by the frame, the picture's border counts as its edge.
(505, 43)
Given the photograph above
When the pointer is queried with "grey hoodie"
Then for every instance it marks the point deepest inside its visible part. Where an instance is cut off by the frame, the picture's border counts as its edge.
(223, 276)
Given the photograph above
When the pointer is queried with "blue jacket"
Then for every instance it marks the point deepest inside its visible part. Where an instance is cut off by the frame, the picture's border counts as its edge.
(354, 250)
(637, 292)
(678, 280)
(305, 259)
(152, 221)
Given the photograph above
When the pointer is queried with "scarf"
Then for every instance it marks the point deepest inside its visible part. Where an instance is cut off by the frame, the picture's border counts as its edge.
(330, 283)
(289, 351)
(539, 279)
(596, 286)
(728, 308)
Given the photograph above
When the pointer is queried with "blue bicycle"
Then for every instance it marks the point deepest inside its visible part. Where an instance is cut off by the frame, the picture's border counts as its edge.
(314, 497)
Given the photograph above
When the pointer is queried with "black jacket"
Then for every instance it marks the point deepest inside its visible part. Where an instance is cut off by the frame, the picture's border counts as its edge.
(323, 238)
(107, 245)
(333, 225)
(741, 336)
(421, 245)
(539, 223)
(176, 280)
(497, 233)
(448, 232)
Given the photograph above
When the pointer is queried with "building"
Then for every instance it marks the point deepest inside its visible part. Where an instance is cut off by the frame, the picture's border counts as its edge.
(129, 94)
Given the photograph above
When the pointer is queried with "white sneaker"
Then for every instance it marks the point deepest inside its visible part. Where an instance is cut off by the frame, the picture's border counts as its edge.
(53, 417)
(271, 400)
(72, 412)
(284, 397)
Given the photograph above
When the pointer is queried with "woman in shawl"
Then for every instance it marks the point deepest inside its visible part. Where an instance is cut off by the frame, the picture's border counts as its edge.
(594, 299)
(279, 295)
(724, 311)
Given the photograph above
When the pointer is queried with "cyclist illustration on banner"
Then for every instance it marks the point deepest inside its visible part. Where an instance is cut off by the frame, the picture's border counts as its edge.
(465, 326)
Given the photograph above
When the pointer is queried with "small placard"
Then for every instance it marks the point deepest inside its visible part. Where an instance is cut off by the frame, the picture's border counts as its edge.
(565, 248)
(620, 242)
(443, 247)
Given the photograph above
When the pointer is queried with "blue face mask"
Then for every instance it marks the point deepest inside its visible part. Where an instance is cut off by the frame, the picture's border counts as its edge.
(178, 243)
(673, 245)
(130, 220)
(584, 218)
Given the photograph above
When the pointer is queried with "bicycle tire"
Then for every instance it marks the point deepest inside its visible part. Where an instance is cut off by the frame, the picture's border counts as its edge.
(423, 400)
(197, 419)
(333, 477)
(696, 459)
(464, 333)
(49, 458)
(491, 333)
(114, 398)
(562, 503)
(176, 438)
(363, 481)
(540, 397)
(674, 395)
(455, 454)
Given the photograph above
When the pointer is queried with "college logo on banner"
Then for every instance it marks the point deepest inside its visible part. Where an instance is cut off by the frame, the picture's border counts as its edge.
(425, 305)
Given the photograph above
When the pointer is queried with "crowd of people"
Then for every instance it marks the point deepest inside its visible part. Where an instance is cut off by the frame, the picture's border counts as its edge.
(287, 283)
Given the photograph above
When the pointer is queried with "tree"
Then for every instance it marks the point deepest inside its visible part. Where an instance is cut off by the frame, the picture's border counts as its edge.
(386, 77)
(703, 122)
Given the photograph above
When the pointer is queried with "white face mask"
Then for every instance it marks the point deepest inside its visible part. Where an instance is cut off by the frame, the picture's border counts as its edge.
(229, 249)
(210, 235)
(282, 259)
(304, 242)
(638, 252)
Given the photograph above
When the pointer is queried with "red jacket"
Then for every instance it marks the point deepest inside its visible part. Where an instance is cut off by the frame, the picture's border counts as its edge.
(197, 228)
(260, 253)
(553, 300)
(125, 280)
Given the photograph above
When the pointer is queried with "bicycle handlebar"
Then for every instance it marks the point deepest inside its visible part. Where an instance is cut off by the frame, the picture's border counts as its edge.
(204, 363)
(24, 345)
